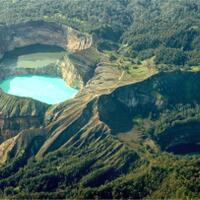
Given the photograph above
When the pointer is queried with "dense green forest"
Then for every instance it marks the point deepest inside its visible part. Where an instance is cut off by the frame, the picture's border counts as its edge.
(141, 27)
(100, 164)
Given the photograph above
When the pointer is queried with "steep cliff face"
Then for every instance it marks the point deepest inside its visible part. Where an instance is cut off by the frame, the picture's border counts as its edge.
(70, 73)
(115, 126)
(79, 67)
(77, 41)
(40, 32)
(17, 114)
(89, 130)
(157, 109)
(63, 121)
(51, 70)
(75, 71)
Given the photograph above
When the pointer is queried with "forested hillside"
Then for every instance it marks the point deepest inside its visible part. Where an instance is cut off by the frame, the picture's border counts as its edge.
(132, 131)
(143, 28)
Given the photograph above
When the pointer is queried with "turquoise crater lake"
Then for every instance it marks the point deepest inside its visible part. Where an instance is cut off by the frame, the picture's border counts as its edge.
(46, 89)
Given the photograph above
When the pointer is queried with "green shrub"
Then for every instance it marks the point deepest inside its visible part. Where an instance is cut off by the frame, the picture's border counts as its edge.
(170, 56)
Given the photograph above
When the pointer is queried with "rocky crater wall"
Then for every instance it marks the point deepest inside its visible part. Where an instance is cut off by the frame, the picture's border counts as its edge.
(17, 114)
(47, 33)
(148, 104)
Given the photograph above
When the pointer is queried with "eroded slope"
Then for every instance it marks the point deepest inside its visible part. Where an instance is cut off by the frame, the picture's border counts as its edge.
(111, 140)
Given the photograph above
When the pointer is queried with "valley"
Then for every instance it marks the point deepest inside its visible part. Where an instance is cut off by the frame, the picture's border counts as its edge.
(129, 128)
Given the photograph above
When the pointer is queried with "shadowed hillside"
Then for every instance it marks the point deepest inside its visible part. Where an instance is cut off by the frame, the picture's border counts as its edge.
(133, 130)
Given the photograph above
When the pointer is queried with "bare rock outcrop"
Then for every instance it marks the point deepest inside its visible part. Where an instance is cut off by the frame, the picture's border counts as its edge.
(76, 71)
(47, 33)
(77, 41)
(17, 114)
